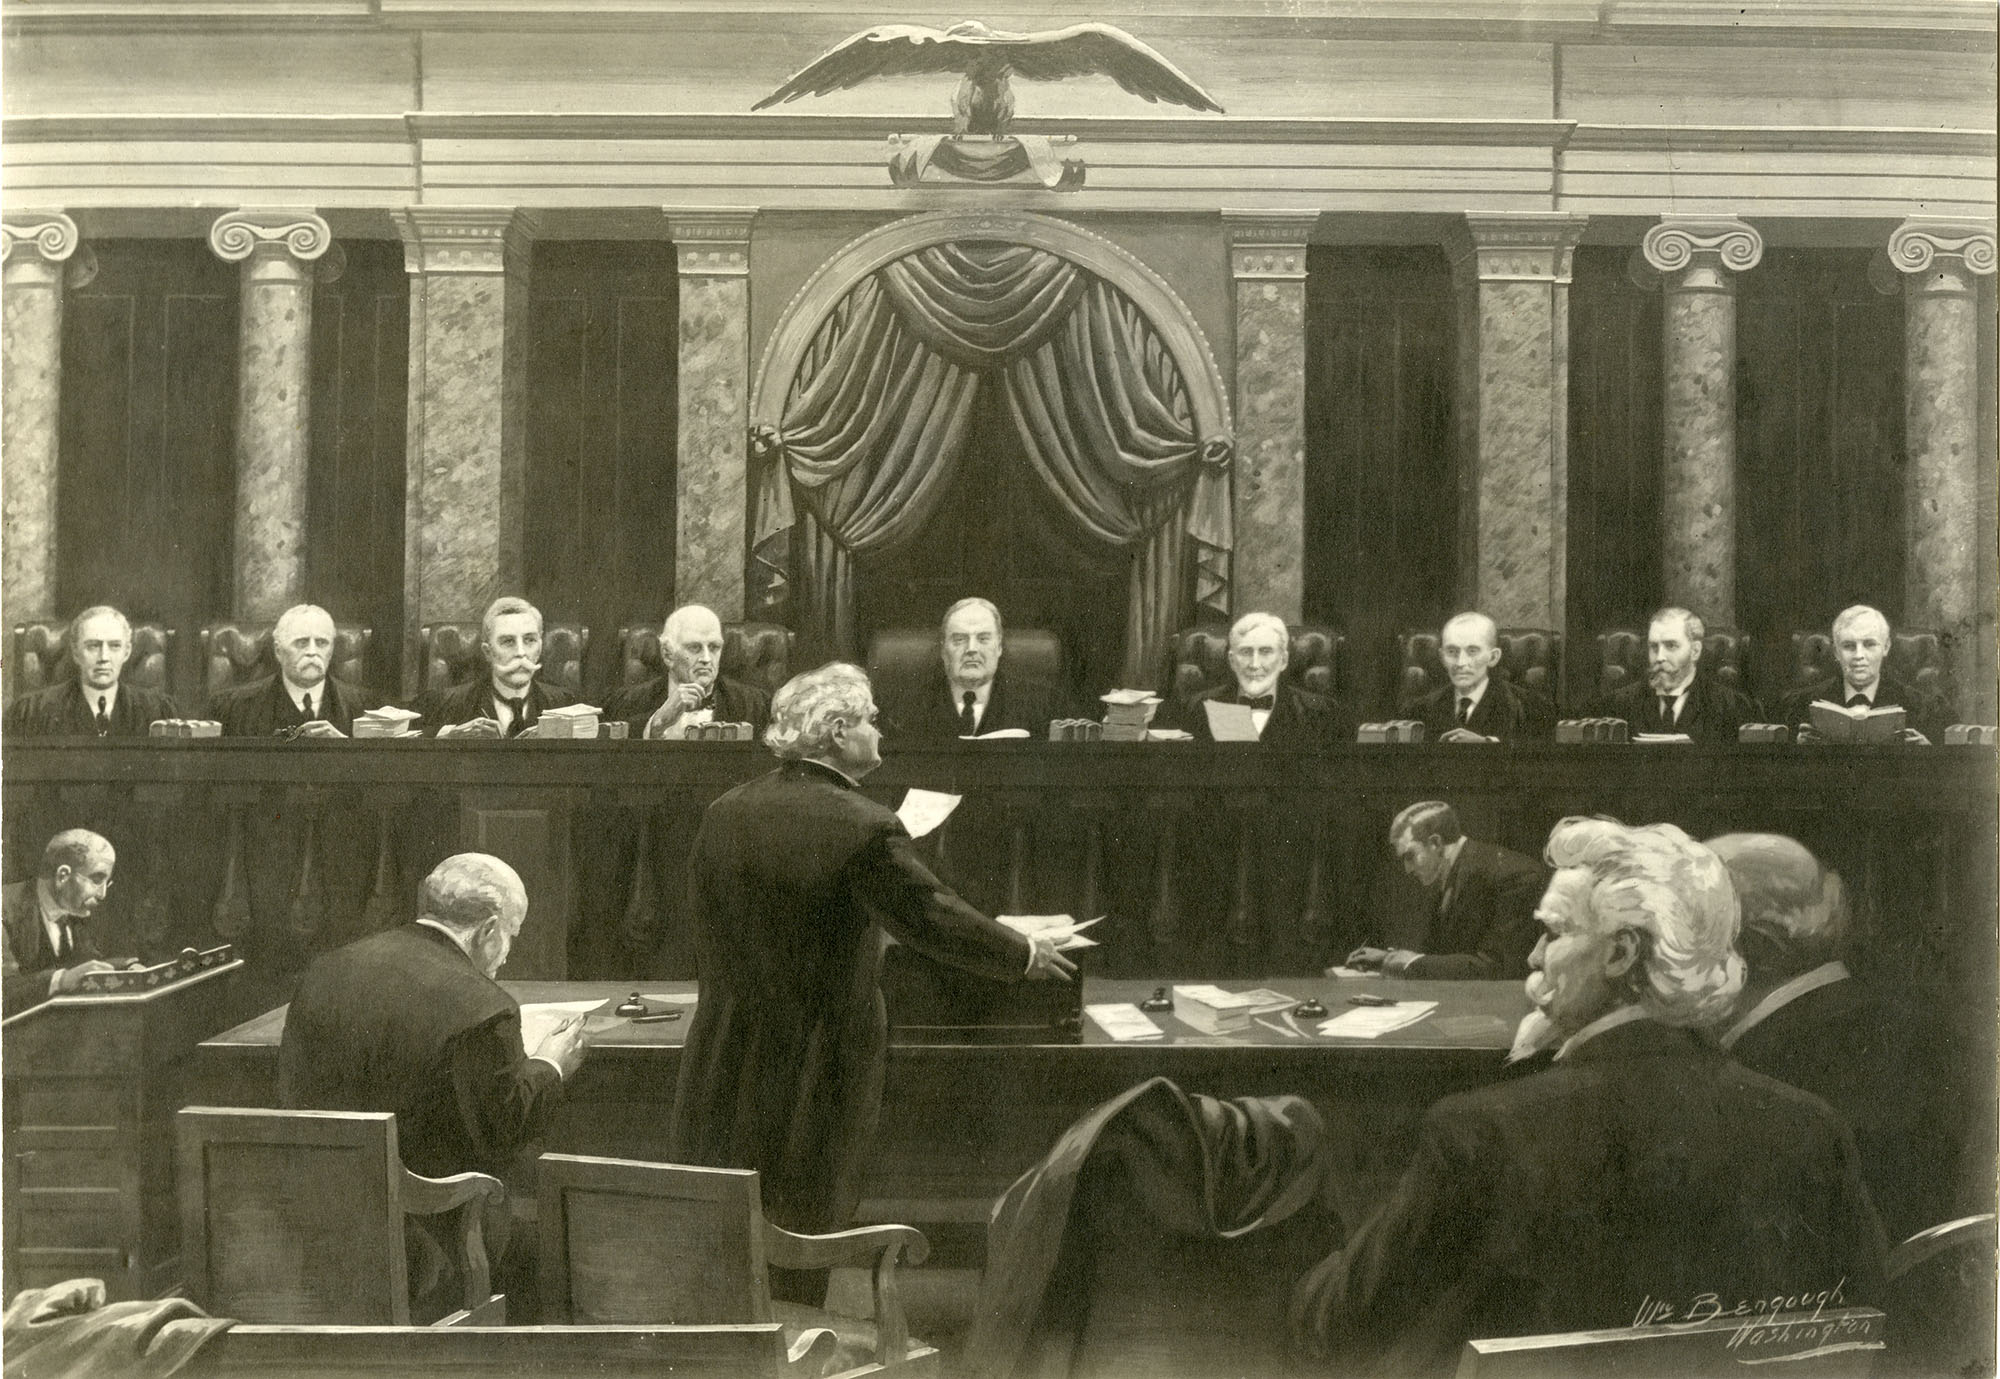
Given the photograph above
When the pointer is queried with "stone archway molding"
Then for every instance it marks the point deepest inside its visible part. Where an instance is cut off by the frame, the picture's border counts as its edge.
(1162, 307)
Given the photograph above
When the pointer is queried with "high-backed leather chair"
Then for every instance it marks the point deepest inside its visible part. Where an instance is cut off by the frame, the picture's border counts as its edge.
(297, 1216)
(1915, 654)
(234, 653)
(451, 654)
(902, 659)
(1198, 659)
(623, 1241)
(1622, 657)
(757, 653)
(1530, 656)
(41, 656)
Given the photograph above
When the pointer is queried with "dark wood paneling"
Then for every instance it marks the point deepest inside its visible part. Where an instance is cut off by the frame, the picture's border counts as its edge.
(146, 506)
(1819, 406)
(360, 398)
(1615, 461)
(602, 438)
(1381, 473)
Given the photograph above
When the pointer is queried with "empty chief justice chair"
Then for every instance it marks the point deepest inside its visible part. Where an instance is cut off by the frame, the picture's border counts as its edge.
(630, 1242)
(235, 653)
(451, 654)
(1529, 656)
(756, 653)
(1621, 653)
(299, 1216)
(1198, 659)
(41, 657)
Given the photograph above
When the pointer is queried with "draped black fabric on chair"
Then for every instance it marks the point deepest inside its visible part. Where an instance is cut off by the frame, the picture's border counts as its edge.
(874, 427)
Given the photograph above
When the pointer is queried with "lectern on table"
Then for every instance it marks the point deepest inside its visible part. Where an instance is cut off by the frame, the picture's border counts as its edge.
(91, 1083)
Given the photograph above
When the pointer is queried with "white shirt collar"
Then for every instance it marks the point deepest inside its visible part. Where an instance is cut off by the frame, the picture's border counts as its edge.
(297, 692)
(1475, 695)
(54, 921)
(1680, 695)
(1624, 1015)
(1871, 694)
(1826, 974)
(110, 697)
(457, 942)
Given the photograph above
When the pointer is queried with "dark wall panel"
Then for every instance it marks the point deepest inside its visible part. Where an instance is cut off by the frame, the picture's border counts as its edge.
(602, 437)
(1381, 470)
(1819, 406)
(146, 501)
(1614, 454)
(360, 399)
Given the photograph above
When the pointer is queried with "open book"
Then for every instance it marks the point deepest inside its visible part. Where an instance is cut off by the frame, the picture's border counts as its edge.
(1838, 723)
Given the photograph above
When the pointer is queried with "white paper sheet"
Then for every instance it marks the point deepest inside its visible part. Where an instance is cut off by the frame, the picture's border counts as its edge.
(1124, 1022)
(1062, 928)
(1372, 1022)
(997, 735)
(540, 1018)
(922, 811)
(1230, 722)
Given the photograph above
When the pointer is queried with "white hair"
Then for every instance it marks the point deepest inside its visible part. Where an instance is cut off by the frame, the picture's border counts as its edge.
(1676, 895)
(101, 610)
(503, 607)
(992, 611)
(1692, 627)
(295, 613)
(1480, 619)
(467, 889)
(677, 621)
(806, 710)
(1784, 891)
(1849, 616)
(1251, 622)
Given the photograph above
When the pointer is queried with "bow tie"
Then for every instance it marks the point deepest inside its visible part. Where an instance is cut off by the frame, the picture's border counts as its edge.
(1858, 701)
(1258, 701)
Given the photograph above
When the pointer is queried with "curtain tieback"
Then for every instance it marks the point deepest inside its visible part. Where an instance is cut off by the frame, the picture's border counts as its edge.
(1216, 453)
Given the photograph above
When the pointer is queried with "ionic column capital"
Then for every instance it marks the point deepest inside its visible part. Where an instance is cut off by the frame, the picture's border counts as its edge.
(49, 235)
(1942, 255)
(269, 232)
(1268, 246)
(465, 239)
(1529, 246)
(711, 241)
(1701, 253)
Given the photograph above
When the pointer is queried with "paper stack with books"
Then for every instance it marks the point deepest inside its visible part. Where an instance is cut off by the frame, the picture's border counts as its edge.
(387, 721)
(1838, 723)
(572, 721)
(1212, 1010)
(1128, 713)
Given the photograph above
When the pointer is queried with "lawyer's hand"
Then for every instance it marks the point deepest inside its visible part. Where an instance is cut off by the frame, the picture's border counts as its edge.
(71, 978)
(472, 727)
(1047, 964)
(319, 727)
(1365, 959)
(564, 1046)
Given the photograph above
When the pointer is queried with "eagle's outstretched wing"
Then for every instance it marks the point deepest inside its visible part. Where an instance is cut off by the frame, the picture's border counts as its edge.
(887, 50)
(1102, 49)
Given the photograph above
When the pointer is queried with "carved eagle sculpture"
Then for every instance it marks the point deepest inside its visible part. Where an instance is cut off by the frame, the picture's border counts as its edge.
(988, 57)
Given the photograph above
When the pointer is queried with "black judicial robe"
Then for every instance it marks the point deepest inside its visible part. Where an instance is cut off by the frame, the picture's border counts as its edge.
(1300, 720)
(1927, 713)
(732, 701)
(1643, 1165)
(262, 707)
(26, 960)
(1510, 712)
(791, 874)
(402, 1021)
(1712, 714)
(474, 699)
(62, 710)
(1488, 929)
(932, 714)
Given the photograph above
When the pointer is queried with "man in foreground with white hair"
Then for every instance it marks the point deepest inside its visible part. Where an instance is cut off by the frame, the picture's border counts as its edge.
(1806, 1020)
(792, 874)
(1639, 1176)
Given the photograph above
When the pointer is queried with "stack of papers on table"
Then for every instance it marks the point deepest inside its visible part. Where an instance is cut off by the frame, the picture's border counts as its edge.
(1062, 928)
(387, 721)
(1212, 1010)
(1127, 714)
(576, 720)
(1661, 737)
(1124, 1022)
(1372, 1022)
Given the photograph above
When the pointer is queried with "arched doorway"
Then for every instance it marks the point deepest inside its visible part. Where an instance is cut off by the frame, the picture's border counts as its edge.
(885, 379)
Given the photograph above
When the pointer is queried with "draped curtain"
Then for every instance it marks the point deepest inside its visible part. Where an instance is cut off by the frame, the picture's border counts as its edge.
(874, 428)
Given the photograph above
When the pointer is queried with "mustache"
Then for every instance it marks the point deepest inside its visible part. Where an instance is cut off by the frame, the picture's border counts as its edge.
(1538, 989)
(517, 665)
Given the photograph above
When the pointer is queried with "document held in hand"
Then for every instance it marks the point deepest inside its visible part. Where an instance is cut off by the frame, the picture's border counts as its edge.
(923, 811)
(1230, 722)
(1062, 928)
(541, 1018)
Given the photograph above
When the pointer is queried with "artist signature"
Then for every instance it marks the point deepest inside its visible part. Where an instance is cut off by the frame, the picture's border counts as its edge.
(1708, 1307)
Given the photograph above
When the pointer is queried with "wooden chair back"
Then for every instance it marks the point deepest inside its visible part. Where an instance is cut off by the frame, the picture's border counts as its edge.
(1198, 659)
(451, 654)
(902, 660)
(293, 1216)
(624, 1242)
(41, 657)
(1842, 1343)
(1530, 656)
(757, 653)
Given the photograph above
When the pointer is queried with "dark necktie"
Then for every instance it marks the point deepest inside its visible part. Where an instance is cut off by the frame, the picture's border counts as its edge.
(1666, 711)
(1854, 701)
(306, 706)
(1266, 702)
(1464, 710)
(103, 717)
(519, 709)
(968, 723)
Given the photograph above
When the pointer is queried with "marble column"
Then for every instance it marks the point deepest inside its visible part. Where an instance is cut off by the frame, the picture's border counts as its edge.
(1698, 260)
(711, 476)
(1267, 268)
(467, 434)
(277, 248)
(1942, 262)
(1511, 274)
(36, 249)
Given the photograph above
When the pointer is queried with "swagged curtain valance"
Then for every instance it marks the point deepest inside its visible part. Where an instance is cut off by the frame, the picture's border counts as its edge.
(874, 428)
